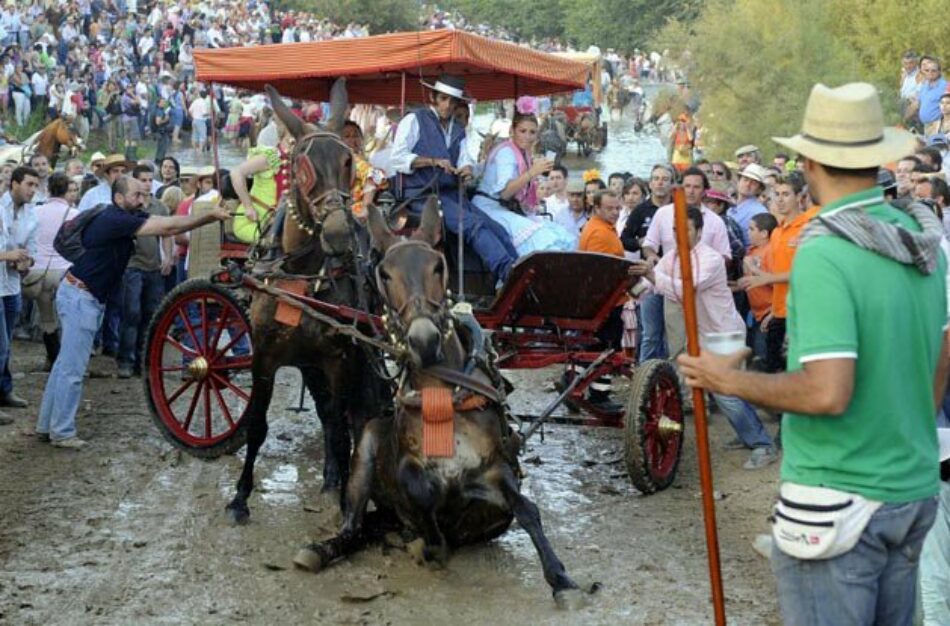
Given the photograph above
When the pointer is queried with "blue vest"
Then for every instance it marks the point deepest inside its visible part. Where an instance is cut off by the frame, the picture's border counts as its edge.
(431, 143)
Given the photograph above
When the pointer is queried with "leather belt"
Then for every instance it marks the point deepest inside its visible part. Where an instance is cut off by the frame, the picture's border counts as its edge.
(72, 280)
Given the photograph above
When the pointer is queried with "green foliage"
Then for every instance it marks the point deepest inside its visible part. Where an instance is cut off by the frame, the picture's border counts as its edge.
(621, 24)
(382, 16)
(753, 62)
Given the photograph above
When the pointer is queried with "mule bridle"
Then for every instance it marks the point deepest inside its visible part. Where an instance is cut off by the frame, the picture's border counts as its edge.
(396, 327)
(303, 177)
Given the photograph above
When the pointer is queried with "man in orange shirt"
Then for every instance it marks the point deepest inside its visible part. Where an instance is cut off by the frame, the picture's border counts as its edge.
(600, 235)
(789, 203)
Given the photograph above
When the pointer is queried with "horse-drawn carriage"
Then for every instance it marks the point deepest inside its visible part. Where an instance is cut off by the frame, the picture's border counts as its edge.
(200, 349)
(215, 343)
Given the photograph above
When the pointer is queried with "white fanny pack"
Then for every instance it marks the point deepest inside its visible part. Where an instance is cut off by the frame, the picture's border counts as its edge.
(818, 522)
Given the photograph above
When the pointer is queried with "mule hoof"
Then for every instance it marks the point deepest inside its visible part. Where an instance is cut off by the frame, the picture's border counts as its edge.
(309, 560)
(239, 514)
(571, 599)
(416, 550)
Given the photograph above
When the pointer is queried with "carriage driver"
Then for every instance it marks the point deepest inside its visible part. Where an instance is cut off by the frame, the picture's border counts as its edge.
(429, 153)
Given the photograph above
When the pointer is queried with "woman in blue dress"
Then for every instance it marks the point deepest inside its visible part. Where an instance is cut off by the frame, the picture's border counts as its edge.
(510, 174)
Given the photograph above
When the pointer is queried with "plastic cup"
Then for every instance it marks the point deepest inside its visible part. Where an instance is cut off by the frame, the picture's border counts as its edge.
(723, 343)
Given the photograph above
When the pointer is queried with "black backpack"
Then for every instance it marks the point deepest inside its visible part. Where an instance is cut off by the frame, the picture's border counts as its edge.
(68, 240)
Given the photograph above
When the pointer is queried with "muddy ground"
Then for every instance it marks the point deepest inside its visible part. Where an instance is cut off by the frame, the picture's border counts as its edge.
(130, 531)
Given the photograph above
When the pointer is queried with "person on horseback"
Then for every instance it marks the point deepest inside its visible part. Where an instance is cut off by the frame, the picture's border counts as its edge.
(430, 155)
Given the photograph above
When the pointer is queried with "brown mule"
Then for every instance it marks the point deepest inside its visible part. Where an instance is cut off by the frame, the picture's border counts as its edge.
(467, 493)
(55, 135)
(337, 373)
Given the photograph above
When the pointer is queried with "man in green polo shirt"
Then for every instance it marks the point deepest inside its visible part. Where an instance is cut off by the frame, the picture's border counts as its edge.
(866, 319)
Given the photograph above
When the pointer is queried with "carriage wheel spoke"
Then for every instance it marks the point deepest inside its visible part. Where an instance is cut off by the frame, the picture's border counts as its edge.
(224, 350)
(222, 322)
(224, 406)
(207, 395)
(180, 390)
(237, 390)
(204, 324)
(240, 363)
(188, 326)
(180, 347)
(192, 406)
(173, 368)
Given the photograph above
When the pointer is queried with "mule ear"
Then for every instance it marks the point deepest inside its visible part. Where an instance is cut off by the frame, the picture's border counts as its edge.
(430, 229)
(339, 100)
(383, 238)
(293, 123)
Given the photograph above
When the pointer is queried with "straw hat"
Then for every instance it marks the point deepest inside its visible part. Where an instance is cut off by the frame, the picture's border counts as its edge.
(116, 160)
(449, 85)
(97, 157)
(844, 127)
(749, 149)
(755, 172)
(205, 172)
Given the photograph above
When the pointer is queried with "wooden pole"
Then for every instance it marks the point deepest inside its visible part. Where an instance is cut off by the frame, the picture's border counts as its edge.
(699, 408)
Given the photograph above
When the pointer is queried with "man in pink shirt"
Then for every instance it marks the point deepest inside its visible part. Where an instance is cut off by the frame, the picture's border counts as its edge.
(41, 282)
(715, 313)
(660, 240)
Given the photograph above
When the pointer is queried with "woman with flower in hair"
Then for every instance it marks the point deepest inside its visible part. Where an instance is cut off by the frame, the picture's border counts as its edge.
(508, 194)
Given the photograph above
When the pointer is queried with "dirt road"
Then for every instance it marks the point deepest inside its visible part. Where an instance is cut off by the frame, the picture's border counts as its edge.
(130, 531)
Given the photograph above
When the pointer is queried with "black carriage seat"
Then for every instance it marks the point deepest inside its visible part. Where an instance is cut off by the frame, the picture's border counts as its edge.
(571, 290)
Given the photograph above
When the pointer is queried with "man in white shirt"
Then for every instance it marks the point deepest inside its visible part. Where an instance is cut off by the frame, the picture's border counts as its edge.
(557, 185)
(430, 154)
(113, 166)
(18, 242)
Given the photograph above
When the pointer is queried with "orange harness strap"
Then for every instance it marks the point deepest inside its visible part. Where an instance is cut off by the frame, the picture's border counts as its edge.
(438, 422)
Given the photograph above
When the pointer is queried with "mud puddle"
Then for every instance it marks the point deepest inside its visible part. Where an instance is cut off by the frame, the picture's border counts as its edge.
(131, 531)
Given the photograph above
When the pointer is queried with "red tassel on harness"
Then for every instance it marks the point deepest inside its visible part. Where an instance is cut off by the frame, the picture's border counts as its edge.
(438, 422)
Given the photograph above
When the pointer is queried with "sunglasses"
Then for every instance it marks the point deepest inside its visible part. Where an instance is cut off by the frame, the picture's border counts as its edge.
(719, 172)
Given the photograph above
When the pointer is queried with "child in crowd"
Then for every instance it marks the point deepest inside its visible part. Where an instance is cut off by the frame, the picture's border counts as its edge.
(760, 298)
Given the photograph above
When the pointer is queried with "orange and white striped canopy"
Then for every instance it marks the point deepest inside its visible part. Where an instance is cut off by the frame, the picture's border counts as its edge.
(388, 69)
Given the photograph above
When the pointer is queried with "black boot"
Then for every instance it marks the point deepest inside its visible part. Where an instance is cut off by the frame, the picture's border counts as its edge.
(51, 343)
(602, 401)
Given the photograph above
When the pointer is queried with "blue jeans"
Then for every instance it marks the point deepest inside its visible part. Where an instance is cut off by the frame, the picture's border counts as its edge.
(873, 583)
(652, 339)
(80, 315)
(745, 421)
(108, 334)
(142, 293)
(11, 309)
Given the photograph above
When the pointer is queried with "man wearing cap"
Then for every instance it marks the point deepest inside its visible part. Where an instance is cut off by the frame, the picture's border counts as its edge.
(574, 216)
(430, 154)
(867, 311)
(749, 187)
(748, 154)
(93, 280)
(113, 166)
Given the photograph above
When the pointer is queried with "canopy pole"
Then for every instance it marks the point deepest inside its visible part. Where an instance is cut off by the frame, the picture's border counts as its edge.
(699, 408)
(214, 152)
(402, 98)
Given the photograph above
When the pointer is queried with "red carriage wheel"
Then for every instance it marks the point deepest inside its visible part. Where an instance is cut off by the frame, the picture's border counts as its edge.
(653, 426)
(198, 369)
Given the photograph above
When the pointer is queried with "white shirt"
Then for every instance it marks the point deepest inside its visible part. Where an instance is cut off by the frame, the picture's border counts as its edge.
(555, 205)
(40, 84)
(407, 135)
(16, 231)
(199, 109)
(100, 194)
